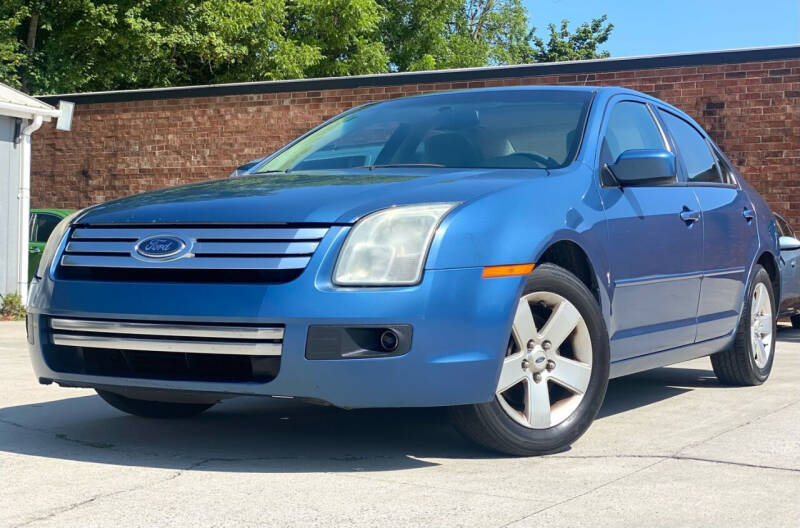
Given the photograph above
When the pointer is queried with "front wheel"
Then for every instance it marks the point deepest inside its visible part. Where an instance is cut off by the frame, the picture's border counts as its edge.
(152, 409)
(555, 371)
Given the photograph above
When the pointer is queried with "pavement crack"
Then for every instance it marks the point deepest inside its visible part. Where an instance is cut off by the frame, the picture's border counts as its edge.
(59, 436)
(679, 457)
(658, 459)
(587, 492)
(76, 505)
(428, 486)
(737, 427)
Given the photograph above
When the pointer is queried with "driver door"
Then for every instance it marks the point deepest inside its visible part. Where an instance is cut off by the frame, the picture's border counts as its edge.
(654, 243)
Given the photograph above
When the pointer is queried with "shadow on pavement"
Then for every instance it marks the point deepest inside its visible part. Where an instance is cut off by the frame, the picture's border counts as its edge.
(269, 435)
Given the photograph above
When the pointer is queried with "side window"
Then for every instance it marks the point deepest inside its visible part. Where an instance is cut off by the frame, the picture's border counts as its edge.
(783, 227)
(630, 126)
(701, 164)
(45, 223)
(724, 168)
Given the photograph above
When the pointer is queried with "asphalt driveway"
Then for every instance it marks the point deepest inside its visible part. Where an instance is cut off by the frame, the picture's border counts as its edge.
(671, 448)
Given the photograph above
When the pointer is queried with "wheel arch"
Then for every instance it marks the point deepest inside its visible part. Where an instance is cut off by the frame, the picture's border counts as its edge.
(569, 255)
(767, 260)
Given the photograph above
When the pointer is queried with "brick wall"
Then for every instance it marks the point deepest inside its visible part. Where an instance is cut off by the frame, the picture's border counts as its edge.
(127, 142)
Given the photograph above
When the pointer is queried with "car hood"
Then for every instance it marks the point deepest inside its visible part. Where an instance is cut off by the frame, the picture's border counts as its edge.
(321, 197)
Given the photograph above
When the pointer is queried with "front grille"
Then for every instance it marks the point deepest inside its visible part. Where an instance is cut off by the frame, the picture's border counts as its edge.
(168, 351)
(212, 254)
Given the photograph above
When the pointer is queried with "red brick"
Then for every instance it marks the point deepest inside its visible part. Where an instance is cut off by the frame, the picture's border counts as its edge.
(115, 149)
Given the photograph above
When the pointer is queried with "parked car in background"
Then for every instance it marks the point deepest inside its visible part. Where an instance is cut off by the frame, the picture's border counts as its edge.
(502, 252)
(790, 271)
(42, 223)
(245, 168)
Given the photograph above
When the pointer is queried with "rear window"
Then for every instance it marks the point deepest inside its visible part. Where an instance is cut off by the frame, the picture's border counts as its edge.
(701, 164)
(489, 129)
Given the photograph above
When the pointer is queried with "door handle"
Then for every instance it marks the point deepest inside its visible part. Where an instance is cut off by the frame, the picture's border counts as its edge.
(748, 214)
(690, 217)
(35, 250)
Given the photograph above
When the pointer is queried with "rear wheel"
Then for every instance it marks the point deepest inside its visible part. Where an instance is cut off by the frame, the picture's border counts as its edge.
(749, 359)
(152, 409)
(554, 374)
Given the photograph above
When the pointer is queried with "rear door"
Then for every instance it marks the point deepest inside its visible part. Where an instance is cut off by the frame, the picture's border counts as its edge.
(730, 239)
(655, 254)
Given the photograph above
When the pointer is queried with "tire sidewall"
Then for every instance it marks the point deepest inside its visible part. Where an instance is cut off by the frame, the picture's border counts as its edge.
(550, 278)
(759, 275)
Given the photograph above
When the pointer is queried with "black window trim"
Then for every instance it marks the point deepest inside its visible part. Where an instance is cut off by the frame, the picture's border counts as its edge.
(712, 150)
(665, 137)
(779, 218)
(724, 162)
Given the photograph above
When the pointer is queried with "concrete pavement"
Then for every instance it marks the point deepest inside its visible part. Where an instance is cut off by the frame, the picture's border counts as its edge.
(671, 448)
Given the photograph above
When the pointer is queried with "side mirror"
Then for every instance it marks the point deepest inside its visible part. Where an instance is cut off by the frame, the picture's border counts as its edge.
(788, 243)
(644, 166)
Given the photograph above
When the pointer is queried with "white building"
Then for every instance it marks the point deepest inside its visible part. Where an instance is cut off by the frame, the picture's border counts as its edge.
(20, 116)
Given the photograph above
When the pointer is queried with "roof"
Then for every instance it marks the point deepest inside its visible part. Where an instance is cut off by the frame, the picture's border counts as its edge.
(439, 76)
(16, 104)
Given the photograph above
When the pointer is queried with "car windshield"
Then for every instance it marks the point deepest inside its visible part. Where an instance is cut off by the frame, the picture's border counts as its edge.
(529, 129)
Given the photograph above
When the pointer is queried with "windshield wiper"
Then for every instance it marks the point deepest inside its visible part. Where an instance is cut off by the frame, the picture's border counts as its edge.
(391, 165)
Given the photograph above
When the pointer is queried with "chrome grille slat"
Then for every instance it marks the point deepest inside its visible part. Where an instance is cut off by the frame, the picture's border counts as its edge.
(201, 248)
(202, 233)
(169, 345)
(255, 248)
(99, 247)
(207, 249)
(166, 329)
(168, 337)
(202, 263)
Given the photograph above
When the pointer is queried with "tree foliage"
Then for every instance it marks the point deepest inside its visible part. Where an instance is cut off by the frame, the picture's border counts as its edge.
(563, 45)
(52, 46)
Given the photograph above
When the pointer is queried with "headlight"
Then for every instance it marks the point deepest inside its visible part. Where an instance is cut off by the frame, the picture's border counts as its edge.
(389, 247)
(53, 242)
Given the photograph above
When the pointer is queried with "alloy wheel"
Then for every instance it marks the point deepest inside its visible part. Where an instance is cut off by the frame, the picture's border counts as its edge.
(548, 363)
(761, 325)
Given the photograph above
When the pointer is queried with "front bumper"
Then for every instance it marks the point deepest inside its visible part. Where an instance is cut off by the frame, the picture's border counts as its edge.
(460, 322)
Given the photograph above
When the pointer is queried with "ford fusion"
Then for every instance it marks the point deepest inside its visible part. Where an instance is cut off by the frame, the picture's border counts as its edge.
(500, 252)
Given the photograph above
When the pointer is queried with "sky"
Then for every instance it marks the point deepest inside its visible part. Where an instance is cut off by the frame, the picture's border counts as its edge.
(652, 27)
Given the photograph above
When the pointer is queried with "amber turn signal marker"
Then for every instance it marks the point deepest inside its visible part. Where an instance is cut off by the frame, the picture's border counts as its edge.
(490, 272)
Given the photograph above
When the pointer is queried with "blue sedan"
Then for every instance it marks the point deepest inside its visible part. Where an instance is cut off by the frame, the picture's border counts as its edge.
(502, 252)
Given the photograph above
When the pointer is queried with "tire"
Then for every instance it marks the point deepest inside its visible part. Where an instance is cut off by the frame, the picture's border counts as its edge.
(739, 364)
(152, 409)
(509, 427)
(795, 321)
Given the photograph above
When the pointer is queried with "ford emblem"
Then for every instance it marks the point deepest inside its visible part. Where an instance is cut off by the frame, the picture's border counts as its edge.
(160, 246)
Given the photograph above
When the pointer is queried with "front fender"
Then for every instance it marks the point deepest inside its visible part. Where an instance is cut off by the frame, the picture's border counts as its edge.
(517, 224)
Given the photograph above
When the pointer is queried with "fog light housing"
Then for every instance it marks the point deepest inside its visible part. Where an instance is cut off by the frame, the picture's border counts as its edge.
(357, 342)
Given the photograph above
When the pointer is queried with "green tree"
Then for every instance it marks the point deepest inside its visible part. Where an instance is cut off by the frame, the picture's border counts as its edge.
(344, 32)
(50, 46)
(12, 54)
(563, 45)
(81, 45)
(464, 33)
